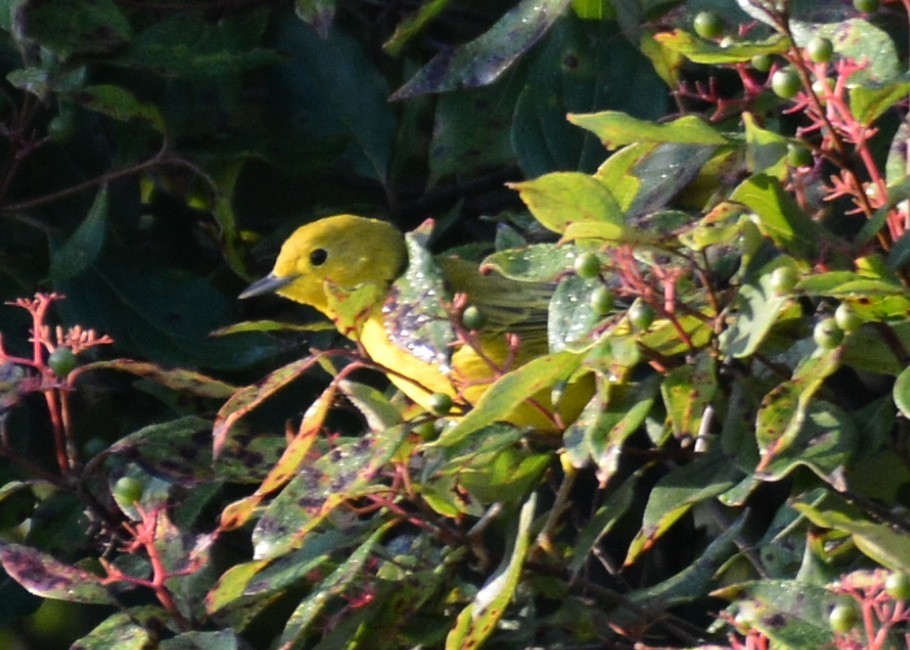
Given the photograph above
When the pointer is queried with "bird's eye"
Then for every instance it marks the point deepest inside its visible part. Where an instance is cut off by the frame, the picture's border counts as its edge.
(318, 257)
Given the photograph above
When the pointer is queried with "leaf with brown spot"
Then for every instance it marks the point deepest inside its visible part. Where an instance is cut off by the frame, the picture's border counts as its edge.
(47, 577)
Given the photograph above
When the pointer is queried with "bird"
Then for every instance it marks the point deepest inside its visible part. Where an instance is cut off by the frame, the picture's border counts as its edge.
(334, 258)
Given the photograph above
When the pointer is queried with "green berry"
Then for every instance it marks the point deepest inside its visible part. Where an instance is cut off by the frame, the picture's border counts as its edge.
(441, 403)
(426, 430)
(708, 24)
(798, 155)
(842, 618)
(827, 334)
(785, 83)
(866, 6)
(641, 315)
(93, 447)
(62, 361)
(61, 128)
(602, 300)
(472, 318)
(783, 280)
(762, 62)
(587, 265)
(846, 317)
(898, 586)
(128, 490)
(820, 49)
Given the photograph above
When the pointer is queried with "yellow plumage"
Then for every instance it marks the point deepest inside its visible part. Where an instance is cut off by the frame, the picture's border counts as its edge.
(340, 255)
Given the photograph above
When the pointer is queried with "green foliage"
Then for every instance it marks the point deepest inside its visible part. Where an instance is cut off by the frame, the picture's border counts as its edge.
(724, 276)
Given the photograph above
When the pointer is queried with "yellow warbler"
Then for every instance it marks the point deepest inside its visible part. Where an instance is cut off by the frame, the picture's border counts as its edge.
(345, 257)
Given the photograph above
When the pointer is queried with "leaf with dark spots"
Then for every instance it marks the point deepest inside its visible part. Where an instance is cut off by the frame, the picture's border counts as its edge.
(792, 613)
(783, 410)
(484, 59)
(248, 398)
(185, 381)
(415, 313)
(44, 576)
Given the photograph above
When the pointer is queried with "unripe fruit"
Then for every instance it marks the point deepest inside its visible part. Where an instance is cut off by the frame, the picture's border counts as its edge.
(783, 280)
(641, 315)
(426, 430)
(61, 128)
(898, 586)
(762, 62)
(473, 318)
(62, 361)
(820, 49)
(846, 318)
(602, 300)
(866, 6)
(842, 618)
(798, 155)
(708, 25)
(441, 404)
(128, 490)
(587, 265)
(785, 83)
(827, 334)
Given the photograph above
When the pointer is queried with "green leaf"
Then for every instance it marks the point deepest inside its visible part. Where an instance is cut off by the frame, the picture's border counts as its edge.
(687, 391)
(572, 319)
(783, 411)
(766, 150)
(825, 444)
(84, 247)
(870, 101)
(607, 422)
(71, 27)
(574, 69)
(469, 131)
(901, 392)
(131, 629)
(220, 640)
(884, 544)
(479, 619)
(859, 40)
(616, 129)
(847, 284)
(509, 390)
(700, 50)
(779, 217)
(758, 306)
(260, 579)
(677, 492)
(481, 61)
(331, 93)
(119, 104)
(793, 613)
(413, 25)
(561, 198)
(318, 13)
(663, 172)
(534, 263)
(878, 350)
(689, 584)
(332, 585)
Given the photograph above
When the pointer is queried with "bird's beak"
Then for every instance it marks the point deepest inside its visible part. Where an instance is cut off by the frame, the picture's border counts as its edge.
(268, 284)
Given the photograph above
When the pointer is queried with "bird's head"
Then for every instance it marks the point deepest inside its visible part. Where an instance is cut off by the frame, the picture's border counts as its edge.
(345, 250)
